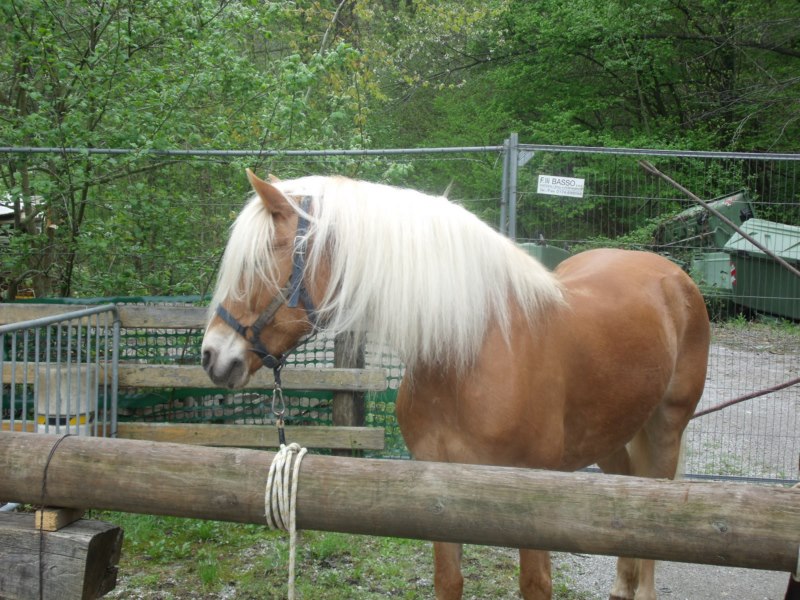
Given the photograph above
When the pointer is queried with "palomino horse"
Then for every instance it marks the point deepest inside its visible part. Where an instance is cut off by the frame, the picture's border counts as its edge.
(601, 362)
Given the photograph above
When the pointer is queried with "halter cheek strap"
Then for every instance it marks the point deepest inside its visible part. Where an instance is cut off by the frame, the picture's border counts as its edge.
(291, 294)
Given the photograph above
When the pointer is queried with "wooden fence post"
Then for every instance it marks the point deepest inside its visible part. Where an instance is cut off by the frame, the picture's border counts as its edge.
(349, 408)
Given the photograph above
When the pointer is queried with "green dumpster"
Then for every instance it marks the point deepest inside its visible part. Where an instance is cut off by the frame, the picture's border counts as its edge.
(712, 272)
(760, 282)
(696, 228)
(549, 256)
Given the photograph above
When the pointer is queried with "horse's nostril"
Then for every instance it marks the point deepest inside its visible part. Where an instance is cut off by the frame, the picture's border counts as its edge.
(208, 359)
(235, 373)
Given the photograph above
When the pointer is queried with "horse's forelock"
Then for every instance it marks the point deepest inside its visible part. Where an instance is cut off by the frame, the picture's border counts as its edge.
(248, 256)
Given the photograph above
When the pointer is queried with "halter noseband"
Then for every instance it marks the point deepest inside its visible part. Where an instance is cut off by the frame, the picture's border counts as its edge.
(290, 294)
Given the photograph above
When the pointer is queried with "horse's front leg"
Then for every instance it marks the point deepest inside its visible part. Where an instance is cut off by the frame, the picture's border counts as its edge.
(447, 579)
(534, 575)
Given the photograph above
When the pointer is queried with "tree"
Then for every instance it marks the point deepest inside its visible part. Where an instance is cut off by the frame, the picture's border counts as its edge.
(709, 74)
(144, 75)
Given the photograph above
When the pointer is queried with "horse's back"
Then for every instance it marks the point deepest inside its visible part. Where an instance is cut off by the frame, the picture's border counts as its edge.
(621, 285)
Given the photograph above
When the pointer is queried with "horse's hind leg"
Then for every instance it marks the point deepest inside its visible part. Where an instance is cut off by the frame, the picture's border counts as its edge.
(534, 575)
(627, 578)
(653, 452)
(448, 582)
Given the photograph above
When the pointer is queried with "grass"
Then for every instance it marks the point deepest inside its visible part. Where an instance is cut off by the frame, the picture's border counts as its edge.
(167, 558)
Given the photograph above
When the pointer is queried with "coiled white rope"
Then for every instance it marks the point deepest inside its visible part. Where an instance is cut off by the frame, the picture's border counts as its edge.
(280, 498)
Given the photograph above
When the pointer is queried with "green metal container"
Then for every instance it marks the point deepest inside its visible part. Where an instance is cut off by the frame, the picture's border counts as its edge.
(549, 256)
(712, 272)
(761, 283)
(696, 228)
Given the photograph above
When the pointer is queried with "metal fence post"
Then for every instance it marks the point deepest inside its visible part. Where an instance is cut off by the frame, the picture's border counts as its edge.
(513, 161)
(503, 225)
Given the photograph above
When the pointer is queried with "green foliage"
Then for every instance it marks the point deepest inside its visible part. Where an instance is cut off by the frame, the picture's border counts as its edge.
(699, 75)
(305, 74)
(156, 75)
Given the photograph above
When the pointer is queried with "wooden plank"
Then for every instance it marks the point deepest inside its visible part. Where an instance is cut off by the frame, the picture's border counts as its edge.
(255, 436)
(193, 376)
(714, 523)
(103, 429)
(14, 313)
(53, 519)
(162, 317)
(29, 371)
(77, 562)
(28, 426)
(139, 375)
(131, 316)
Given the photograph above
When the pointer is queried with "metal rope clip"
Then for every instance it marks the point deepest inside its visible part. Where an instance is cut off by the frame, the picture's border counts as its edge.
(278, 404)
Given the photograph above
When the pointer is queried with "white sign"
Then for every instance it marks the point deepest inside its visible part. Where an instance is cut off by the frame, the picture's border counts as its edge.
(560, 186)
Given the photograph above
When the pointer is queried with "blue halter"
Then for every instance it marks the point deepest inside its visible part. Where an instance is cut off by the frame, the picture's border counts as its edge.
(291, 294)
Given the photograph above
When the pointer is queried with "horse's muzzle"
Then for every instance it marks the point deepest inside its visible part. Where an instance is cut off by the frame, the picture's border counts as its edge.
(231, 375)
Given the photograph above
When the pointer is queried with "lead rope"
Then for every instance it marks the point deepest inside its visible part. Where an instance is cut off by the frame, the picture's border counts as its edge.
(280, 495)
(280, 498)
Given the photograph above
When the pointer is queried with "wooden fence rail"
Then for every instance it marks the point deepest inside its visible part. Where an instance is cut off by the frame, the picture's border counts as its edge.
(720, 524)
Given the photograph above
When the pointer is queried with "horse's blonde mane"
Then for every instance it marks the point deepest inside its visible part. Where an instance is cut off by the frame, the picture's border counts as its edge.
(419, 273)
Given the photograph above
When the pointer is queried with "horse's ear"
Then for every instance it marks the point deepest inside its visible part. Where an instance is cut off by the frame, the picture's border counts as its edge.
(273, 199)
(272, 178)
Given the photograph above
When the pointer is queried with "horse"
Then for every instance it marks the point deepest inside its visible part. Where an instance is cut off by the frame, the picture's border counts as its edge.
(601, 361)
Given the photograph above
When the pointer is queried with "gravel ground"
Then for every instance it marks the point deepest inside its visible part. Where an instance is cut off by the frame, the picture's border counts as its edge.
(759, 437)
(594, 576)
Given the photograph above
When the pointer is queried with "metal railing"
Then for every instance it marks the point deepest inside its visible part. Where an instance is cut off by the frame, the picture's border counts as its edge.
(60, 373)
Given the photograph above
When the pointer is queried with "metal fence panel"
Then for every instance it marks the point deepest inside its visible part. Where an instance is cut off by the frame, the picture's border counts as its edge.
(621, 205)
(60, 373)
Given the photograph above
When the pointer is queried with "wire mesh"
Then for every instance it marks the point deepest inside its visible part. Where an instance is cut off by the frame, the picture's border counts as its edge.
(754, 303)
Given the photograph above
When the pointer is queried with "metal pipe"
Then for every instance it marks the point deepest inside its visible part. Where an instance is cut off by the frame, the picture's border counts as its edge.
(154, 152)
(513, 163)
(656, 152)
(67, 316)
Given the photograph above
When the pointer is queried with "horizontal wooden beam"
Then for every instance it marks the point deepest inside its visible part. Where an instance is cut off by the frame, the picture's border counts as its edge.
(131, 316)
(155, 316)
(31, 372)
(139, 375)
(193, 376)
(255, 436)
(28, 426)
(241, 435)
(722, 524)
